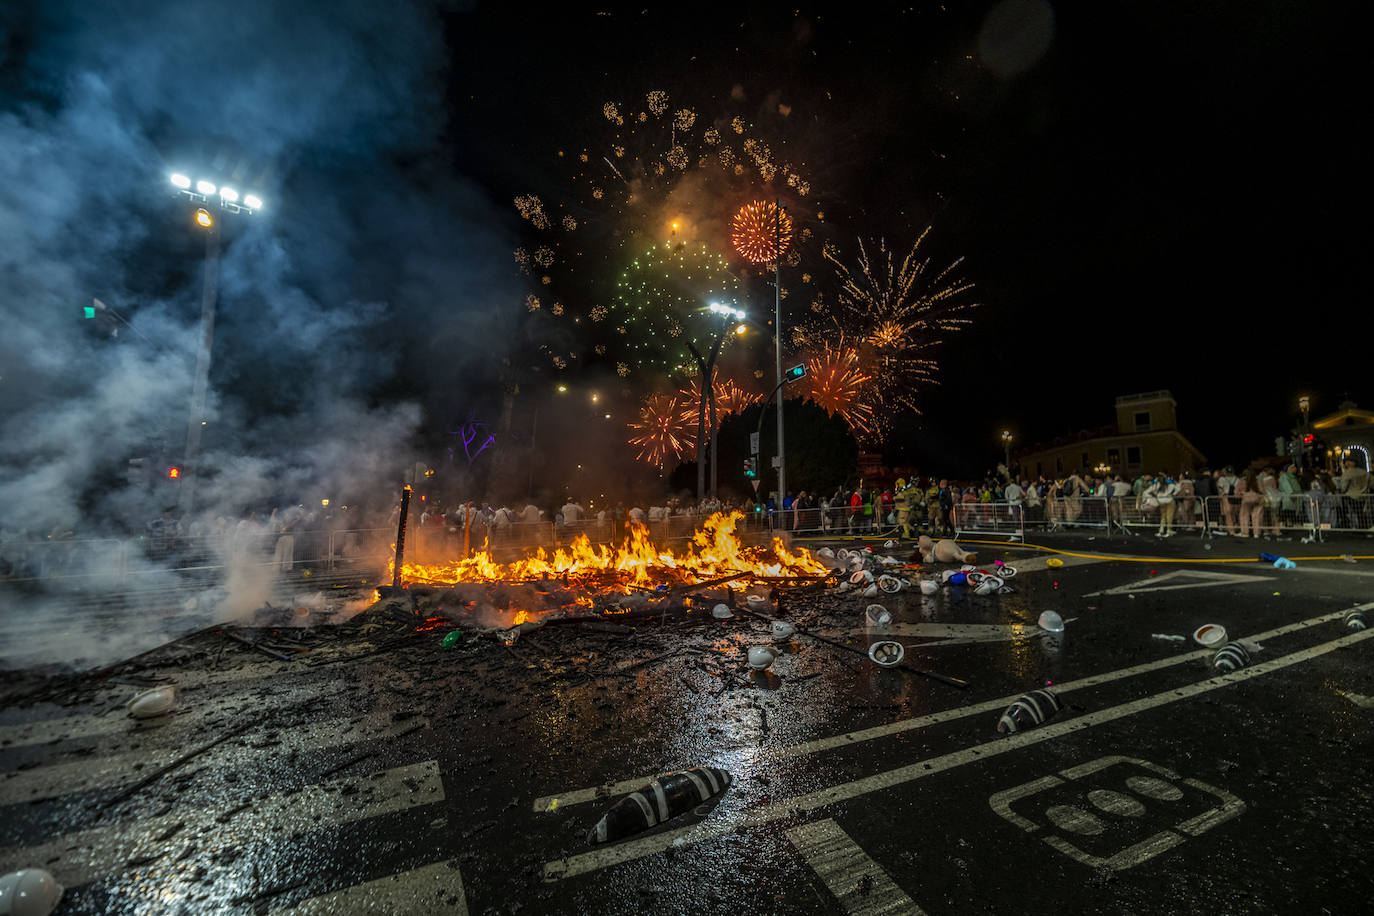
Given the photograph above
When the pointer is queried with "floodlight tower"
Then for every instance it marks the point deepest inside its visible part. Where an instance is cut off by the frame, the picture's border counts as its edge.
(210, 197)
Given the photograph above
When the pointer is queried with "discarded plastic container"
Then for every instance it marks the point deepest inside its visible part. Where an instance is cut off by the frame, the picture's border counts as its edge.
(871, 591)
(722, 612)
(1284, 563)
(761, 657)
(876, 615)
(890, 584)
(1051, 622)
(665, 798)
(989, 585)
(929, 586)
(1268, 557)
(889, 543)
(886, 653)
(1054, 562)
(1005, 571)
(842, 554)
(757, 602)
(1210, 635)
(861, 575)
(782, 630)
(451, 639)
(1028, 711)
(1231, 657)
(1354, 620)
(30, 892)
(825, 553)
(156, 702)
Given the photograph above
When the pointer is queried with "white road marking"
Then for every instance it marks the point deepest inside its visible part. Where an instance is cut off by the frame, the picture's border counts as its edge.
(436, 888)
(1147, 848)
(1183, 578)
(954, 634)
(549, 803)
(1358, 699)
(861, 886)
(87, 773)
(765, 814)
(86, 855)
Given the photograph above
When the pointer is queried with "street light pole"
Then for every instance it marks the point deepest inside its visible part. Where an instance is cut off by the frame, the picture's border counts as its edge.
(777, 346)
(195, 424)
(1006, 449)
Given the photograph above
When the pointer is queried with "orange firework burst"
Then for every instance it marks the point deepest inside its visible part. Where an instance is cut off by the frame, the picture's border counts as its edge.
(730, 399)
(661, 433)
(760, 231)
(837, 383)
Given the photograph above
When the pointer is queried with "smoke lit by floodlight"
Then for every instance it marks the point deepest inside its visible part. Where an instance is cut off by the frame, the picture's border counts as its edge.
(228, 194)
(205, 187)
(180, 180)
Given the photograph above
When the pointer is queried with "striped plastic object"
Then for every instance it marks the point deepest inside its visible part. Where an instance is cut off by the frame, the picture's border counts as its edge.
(1230, 657)
(663, 799)
(1028, 711)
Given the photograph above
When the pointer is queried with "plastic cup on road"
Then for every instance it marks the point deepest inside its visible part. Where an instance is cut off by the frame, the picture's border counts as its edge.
(1051, 622)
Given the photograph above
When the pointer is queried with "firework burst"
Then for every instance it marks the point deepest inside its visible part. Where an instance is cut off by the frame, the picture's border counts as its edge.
(730, 399)
(660, 433)
(897, 314)
(838, 384)
(760, 231)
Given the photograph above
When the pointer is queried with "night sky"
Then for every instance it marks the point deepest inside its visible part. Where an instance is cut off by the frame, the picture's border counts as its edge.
(1165, 199)
(1146, 195)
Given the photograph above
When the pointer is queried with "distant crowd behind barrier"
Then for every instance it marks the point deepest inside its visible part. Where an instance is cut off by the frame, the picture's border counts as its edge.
(1265, 503)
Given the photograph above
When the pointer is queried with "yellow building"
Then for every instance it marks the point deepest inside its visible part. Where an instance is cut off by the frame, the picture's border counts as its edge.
(1144, 438)
(1349, 433)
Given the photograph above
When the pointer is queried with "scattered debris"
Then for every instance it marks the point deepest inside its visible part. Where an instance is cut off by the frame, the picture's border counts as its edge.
(1210, 635)
(1028, 711)
(1233, 656)
(156, 702)
(782, 630)
(875, 615)
(665, 798)
(1348, 558)
(722, 612)
(886, 652)
(760, 657)
(1169, 636)
(30, 892)
(1051, 622)
(1054, 562)
(451, 639)
(1354, 620)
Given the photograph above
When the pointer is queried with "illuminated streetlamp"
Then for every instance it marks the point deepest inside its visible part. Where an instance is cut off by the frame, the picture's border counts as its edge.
(1006, 447)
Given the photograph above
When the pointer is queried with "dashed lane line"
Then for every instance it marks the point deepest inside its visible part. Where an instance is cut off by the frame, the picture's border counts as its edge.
(548, 803)
(436, 888)
(85, 855)
(85, 774)
(859, 883)
(727, 823)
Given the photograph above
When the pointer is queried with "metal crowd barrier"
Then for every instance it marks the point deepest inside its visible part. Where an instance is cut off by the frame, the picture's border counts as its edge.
(995, 519)
(1076, 512)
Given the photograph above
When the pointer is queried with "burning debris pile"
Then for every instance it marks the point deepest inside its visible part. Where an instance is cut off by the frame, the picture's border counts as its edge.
(586, 580)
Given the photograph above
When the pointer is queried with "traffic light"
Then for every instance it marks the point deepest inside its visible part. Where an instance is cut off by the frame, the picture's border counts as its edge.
(173, 473)
(1308, 439)
(751, 467)
(796, 372)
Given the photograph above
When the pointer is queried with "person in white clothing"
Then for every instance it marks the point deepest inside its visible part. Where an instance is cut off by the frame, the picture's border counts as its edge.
(1163, 491)
(572, 512)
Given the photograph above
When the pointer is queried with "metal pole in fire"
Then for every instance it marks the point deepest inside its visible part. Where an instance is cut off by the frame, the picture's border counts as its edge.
(401, 537)
(777, 346)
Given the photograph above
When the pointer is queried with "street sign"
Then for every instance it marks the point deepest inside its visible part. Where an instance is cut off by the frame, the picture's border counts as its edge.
(756, 483)
(753, 443)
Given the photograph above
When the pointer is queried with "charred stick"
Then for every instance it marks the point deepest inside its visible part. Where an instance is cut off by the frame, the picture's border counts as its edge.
(180, 761)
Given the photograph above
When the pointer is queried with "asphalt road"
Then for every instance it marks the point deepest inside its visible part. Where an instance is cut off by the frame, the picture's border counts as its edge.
(383, 773)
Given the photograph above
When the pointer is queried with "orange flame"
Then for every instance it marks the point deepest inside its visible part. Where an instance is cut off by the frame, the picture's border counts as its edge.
(714, 552)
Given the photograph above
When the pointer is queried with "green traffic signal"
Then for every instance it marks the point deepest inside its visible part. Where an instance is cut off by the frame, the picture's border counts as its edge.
(90, 311)
(794, 373)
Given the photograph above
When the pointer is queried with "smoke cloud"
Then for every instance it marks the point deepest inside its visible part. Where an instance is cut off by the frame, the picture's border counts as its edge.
(371, 287)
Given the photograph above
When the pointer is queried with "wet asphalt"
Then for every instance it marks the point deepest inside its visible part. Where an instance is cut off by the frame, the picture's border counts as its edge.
(382, 772)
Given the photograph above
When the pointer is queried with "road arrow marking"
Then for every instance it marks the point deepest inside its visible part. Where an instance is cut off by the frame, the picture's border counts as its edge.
(1184, 578)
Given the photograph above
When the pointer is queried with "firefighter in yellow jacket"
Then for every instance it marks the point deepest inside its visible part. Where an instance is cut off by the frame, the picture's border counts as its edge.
(902, 503)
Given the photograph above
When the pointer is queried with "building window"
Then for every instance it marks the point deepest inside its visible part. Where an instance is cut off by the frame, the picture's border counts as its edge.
(1133, 456)
(1142, 420)
(1114, 457)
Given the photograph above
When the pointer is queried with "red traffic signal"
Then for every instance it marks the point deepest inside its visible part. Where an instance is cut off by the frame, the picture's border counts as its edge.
(1307, 439)
(173, 473)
